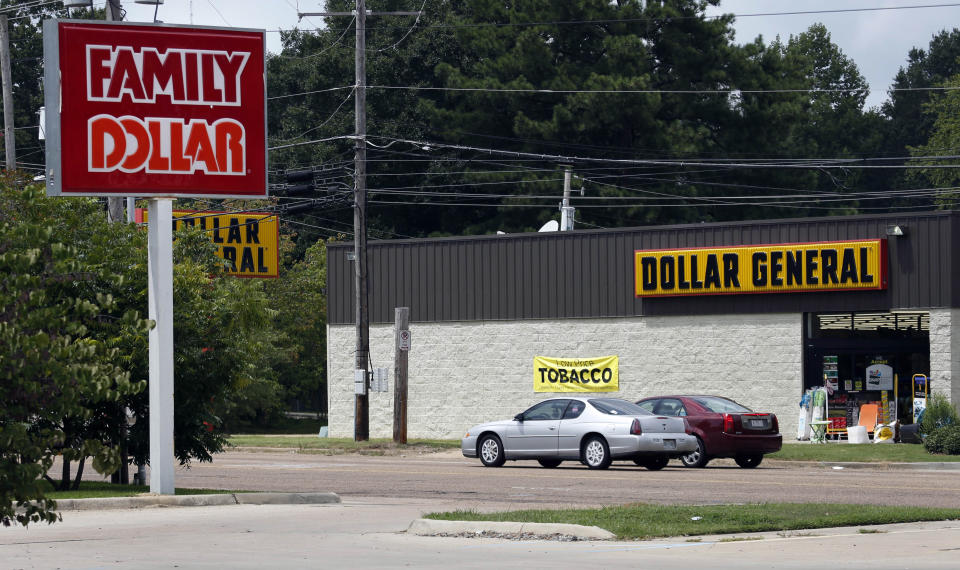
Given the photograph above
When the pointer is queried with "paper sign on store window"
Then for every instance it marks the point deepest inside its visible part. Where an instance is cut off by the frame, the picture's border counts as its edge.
(879, 377)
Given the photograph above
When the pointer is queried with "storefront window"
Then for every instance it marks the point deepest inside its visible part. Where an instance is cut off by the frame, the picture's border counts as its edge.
(841, 350)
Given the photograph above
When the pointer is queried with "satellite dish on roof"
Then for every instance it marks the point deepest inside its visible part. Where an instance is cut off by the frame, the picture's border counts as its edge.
(551, 226)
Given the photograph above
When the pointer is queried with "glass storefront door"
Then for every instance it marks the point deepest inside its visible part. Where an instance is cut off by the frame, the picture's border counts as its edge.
(839, 348)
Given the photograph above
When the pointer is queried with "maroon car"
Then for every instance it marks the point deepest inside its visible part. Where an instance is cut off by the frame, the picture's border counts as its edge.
(723, 428)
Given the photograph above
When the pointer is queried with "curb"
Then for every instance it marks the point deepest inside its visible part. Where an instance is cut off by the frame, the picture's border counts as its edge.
(429, 527)
(144, 501)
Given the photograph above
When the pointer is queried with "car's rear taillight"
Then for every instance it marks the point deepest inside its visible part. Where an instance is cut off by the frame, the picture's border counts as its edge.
(635, 427)
(727, 423)
(776, 424)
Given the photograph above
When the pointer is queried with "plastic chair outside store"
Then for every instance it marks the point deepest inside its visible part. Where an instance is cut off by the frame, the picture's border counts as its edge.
(868, 416)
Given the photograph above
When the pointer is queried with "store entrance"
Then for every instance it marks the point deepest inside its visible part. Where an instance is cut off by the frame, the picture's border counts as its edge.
(849, 351)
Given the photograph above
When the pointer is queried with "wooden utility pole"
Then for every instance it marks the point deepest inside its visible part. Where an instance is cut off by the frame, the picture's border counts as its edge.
(114, 205)
(361, 417)
(9, 137)
(401, 330)
(361, 427)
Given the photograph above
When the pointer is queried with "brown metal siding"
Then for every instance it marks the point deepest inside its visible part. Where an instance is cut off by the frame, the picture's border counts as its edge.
(590, 273)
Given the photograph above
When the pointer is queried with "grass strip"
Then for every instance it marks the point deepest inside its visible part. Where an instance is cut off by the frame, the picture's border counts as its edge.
(859, 452)
(335, 445)
(102, 489)
(645, 521)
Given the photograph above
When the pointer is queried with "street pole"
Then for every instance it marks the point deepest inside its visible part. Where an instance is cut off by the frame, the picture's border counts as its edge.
(114, 205)
(9, 137)
(361, 416)
(160, 310)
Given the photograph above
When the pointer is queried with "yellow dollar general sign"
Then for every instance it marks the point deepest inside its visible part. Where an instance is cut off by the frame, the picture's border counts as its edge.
(784, 268)
(249, 241)
(601, 374)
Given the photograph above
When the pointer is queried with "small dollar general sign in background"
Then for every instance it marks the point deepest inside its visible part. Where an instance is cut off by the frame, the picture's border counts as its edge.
(249, 241)
(600, 374)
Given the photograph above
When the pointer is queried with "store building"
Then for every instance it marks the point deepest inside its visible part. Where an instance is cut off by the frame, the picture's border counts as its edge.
(756, 311)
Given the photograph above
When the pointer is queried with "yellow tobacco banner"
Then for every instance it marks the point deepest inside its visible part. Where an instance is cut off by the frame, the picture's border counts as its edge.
(784, 268)
(600, 374)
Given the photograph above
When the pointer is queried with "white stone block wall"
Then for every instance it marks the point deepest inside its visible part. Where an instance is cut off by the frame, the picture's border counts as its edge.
(945, 352)
(464, 373)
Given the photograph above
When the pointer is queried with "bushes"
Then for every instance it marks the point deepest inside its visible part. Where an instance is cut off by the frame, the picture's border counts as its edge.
(941, 426)
(945, 440)
(940, 412)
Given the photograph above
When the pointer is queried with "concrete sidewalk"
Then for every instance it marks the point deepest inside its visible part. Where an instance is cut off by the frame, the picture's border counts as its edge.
(208, 500)
(369, 533)
(422, 527)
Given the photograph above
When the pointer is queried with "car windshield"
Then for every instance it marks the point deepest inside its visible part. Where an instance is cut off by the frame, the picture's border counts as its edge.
(720, 405)
(617, 407)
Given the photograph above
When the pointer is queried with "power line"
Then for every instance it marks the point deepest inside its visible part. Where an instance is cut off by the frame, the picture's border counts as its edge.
(332, 115)
(27, 5)
(652, 91)
(671, 18)
(409, 31)
(324, 50)
(531, 91)
(852, 163)
(275, 97)
(315, 141)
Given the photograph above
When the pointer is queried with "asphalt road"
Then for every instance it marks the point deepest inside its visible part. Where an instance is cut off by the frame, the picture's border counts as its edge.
(450, 476)
(383, 495)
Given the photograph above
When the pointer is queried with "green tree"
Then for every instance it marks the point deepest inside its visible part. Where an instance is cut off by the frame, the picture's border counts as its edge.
(814, 110)
(910, 122)
(910, 125)
(942, 112)
(54, 372)
(669, 48)
(478, 61)
(300, 298)
(226, 341)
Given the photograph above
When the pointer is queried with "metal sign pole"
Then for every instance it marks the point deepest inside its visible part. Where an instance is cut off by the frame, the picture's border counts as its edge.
(160, 294)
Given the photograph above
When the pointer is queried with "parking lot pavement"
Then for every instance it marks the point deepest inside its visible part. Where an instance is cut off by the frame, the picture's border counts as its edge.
(370, 533)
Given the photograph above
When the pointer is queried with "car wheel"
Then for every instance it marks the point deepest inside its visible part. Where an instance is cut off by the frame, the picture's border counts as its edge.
(550, 463)
(596, 453)
(749, 461)
(654, 463)
(696, 458)
(491, 451)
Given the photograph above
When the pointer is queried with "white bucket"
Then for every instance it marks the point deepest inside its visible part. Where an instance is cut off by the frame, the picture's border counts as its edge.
(857, 434)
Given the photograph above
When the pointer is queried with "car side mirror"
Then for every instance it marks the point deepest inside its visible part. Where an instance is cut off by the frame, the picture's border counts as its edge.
(518, 418)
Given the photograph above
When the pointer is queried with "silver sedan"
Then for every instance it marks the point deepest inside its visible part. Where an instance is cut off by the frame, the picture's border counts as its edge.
(594, 431)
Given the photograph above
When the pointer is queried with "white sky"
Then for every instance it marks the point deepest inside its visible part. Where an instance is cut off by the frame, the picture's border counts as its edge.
(877, 41)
